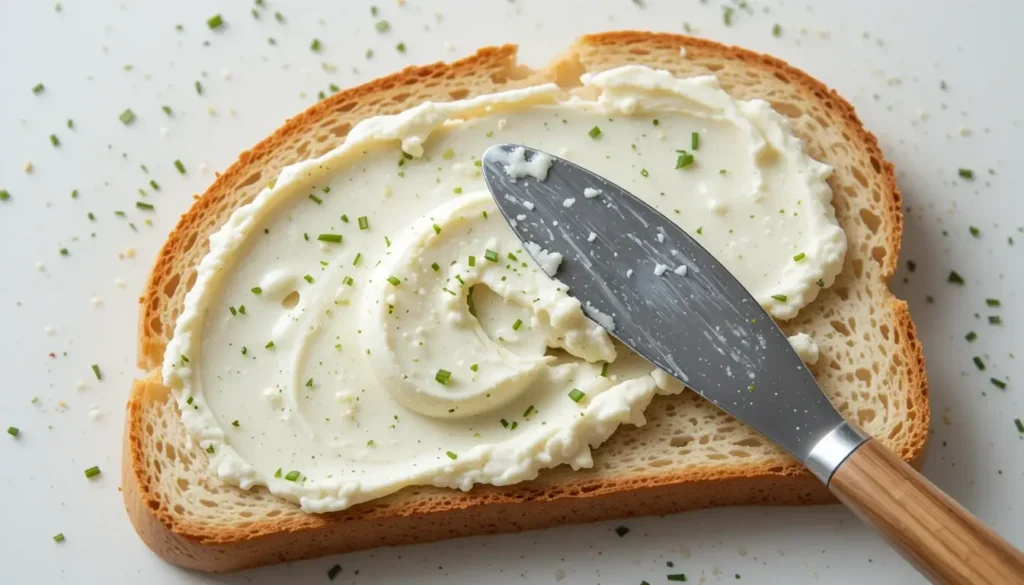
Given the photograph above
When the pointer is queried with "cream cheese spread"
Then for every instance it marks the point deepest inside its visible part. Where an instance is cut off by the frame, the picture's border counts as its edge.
(369, 322)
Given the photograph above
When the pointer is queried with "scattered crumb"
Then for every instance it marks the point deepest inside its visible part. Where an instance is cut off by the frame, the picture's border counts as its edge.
(568, 202)
(590, 193)
(660, 269)
(680, 270)
(96, 301)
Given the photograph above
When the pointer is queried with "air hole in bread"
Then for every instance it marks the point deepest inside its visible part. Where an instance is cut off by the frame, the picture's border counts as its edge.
(459, 94)
(290, 300)
(871, 220)
(250, 180)
(788, 109)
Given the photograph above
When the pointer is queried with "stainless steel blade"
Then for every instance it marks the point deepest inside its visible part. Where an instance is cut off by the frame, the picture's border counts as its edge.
(702, 327)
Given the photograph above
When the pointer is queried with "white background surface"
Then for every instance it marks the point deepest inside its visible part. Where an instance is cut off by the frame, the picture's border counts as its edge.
(888, 58)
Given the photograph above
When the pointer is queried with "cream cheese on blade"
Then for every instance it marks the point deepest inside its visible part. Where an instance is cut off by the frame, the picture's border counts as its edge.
(369, 322)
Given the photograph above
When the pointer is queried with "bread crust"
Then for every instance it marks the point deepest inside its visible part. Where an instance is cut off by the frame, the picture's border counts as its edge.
(402, 519)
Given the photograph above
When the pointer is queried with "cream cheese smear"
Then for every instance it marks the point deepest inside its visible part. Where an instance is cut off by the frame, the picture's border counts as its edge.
(369, 322)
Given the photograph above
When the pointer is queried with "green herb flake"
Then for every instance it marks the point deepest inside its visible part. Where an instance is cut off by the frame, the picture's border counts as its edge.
(178, 165)
(269, 345)
(59, 537)
(974, 231)
(54, 140)
(330, 238)
(442, 377)
(382, 26)
(292, 475)
(575, 395)
(96, 371)
(347, 281)
(256, 290)
(364, 223)
(965, 174)
(622, 531)
(780, 298)
(451, 455)
(333, 572)
(437, 229)
(315, 46)
(777, 30)
(92, 471)
(38, 89)
(394, 281)
(474, 367)
(472, 260)
(448, 154)
(127, 117)
(677, 576)
(400, 47)
(998, 383)
(13, 431)
(971, 336)
(308, 278)
(645, 174)
(315, 199)
(595, 132)
(799, 257)
(214, 22)
(993, 302)
(1020, 425)
(144, 206)
(954, 277)
(517, 325)
(491, 256)
(995, 320)
(684, 160)
(4, 194)
(604, 370)
(436, 267)
(978, 363)
(234, 423)
(695, 140)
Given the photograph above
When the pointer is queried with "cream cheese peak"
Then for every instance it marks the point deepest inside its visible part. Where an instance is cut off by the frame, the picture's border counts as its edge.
(369, 322)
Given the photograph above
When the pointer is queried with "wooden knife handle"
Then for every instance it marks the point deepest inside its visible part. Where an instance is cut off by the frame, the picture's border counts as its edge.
(937, 535)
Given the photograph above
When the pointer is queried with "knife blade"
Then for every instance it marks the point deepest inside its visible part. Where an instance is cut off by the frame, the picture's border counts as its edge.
(671, 301)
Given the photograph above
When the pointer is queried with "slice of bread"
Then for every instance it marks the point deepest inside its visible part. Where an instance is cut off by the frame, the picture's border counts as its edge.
(689, 454)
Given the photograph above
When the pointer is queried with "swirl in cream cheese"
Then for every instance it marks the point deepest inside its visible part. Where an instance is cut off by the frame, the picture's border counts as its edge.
(369, 322)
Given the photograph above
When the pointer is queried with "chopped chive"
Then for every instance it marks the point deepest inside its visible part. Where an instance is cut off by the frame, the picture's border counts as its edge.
(504, 423)
(529, 411)
(316, 199)
(65, 252)
(167, 110)
(645, 174)
(575, 395)
(179, 166)
(695, 141)
(382, 26)
(309, 383)
(965, 173)
(13, 431)
(442, 377)
(127, 117)
(292, 475)
(344, 218)
(780, 298)
(330, 238)
(59, 537)
(799, 257)
(92, 471)
(144, 205)
(234, 423)
(435, 267)
(315, 45)
(777, 30)
(457, 190)
(515, 424)
(190, 400)
(512, 257)
(622, 531)
(308, 278)
(971, 336)
(595, 132)
(682, 576)
(604, 370)
(154, 185)
(364, 222)
(993, 302)
(269, 345)
(995, 320)
(400, 47)
(451, 455)
(278, 472)
(210, 449)
(234, 311)
(978, 363)
(96, 371)
(472, 260)
(256, 290)
(683, 160)
(474, 367)
(974, 231)
(279, 17)
(387, 240)
(394, 281)
(54, 140)
(199, 87)
(38, 89)
(821, 283)
(491, 256)
(5, 195)
(955, 277)
(517, 325)
(998, 383)
(448, 154)
(437, 229)
(215, 21)
(333, 572)
(1019, 425)
(347, 281)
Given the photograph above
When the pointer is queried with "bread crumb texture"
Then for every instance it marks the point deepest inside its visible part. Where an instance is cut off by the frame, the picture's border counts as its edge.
(689, 454)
